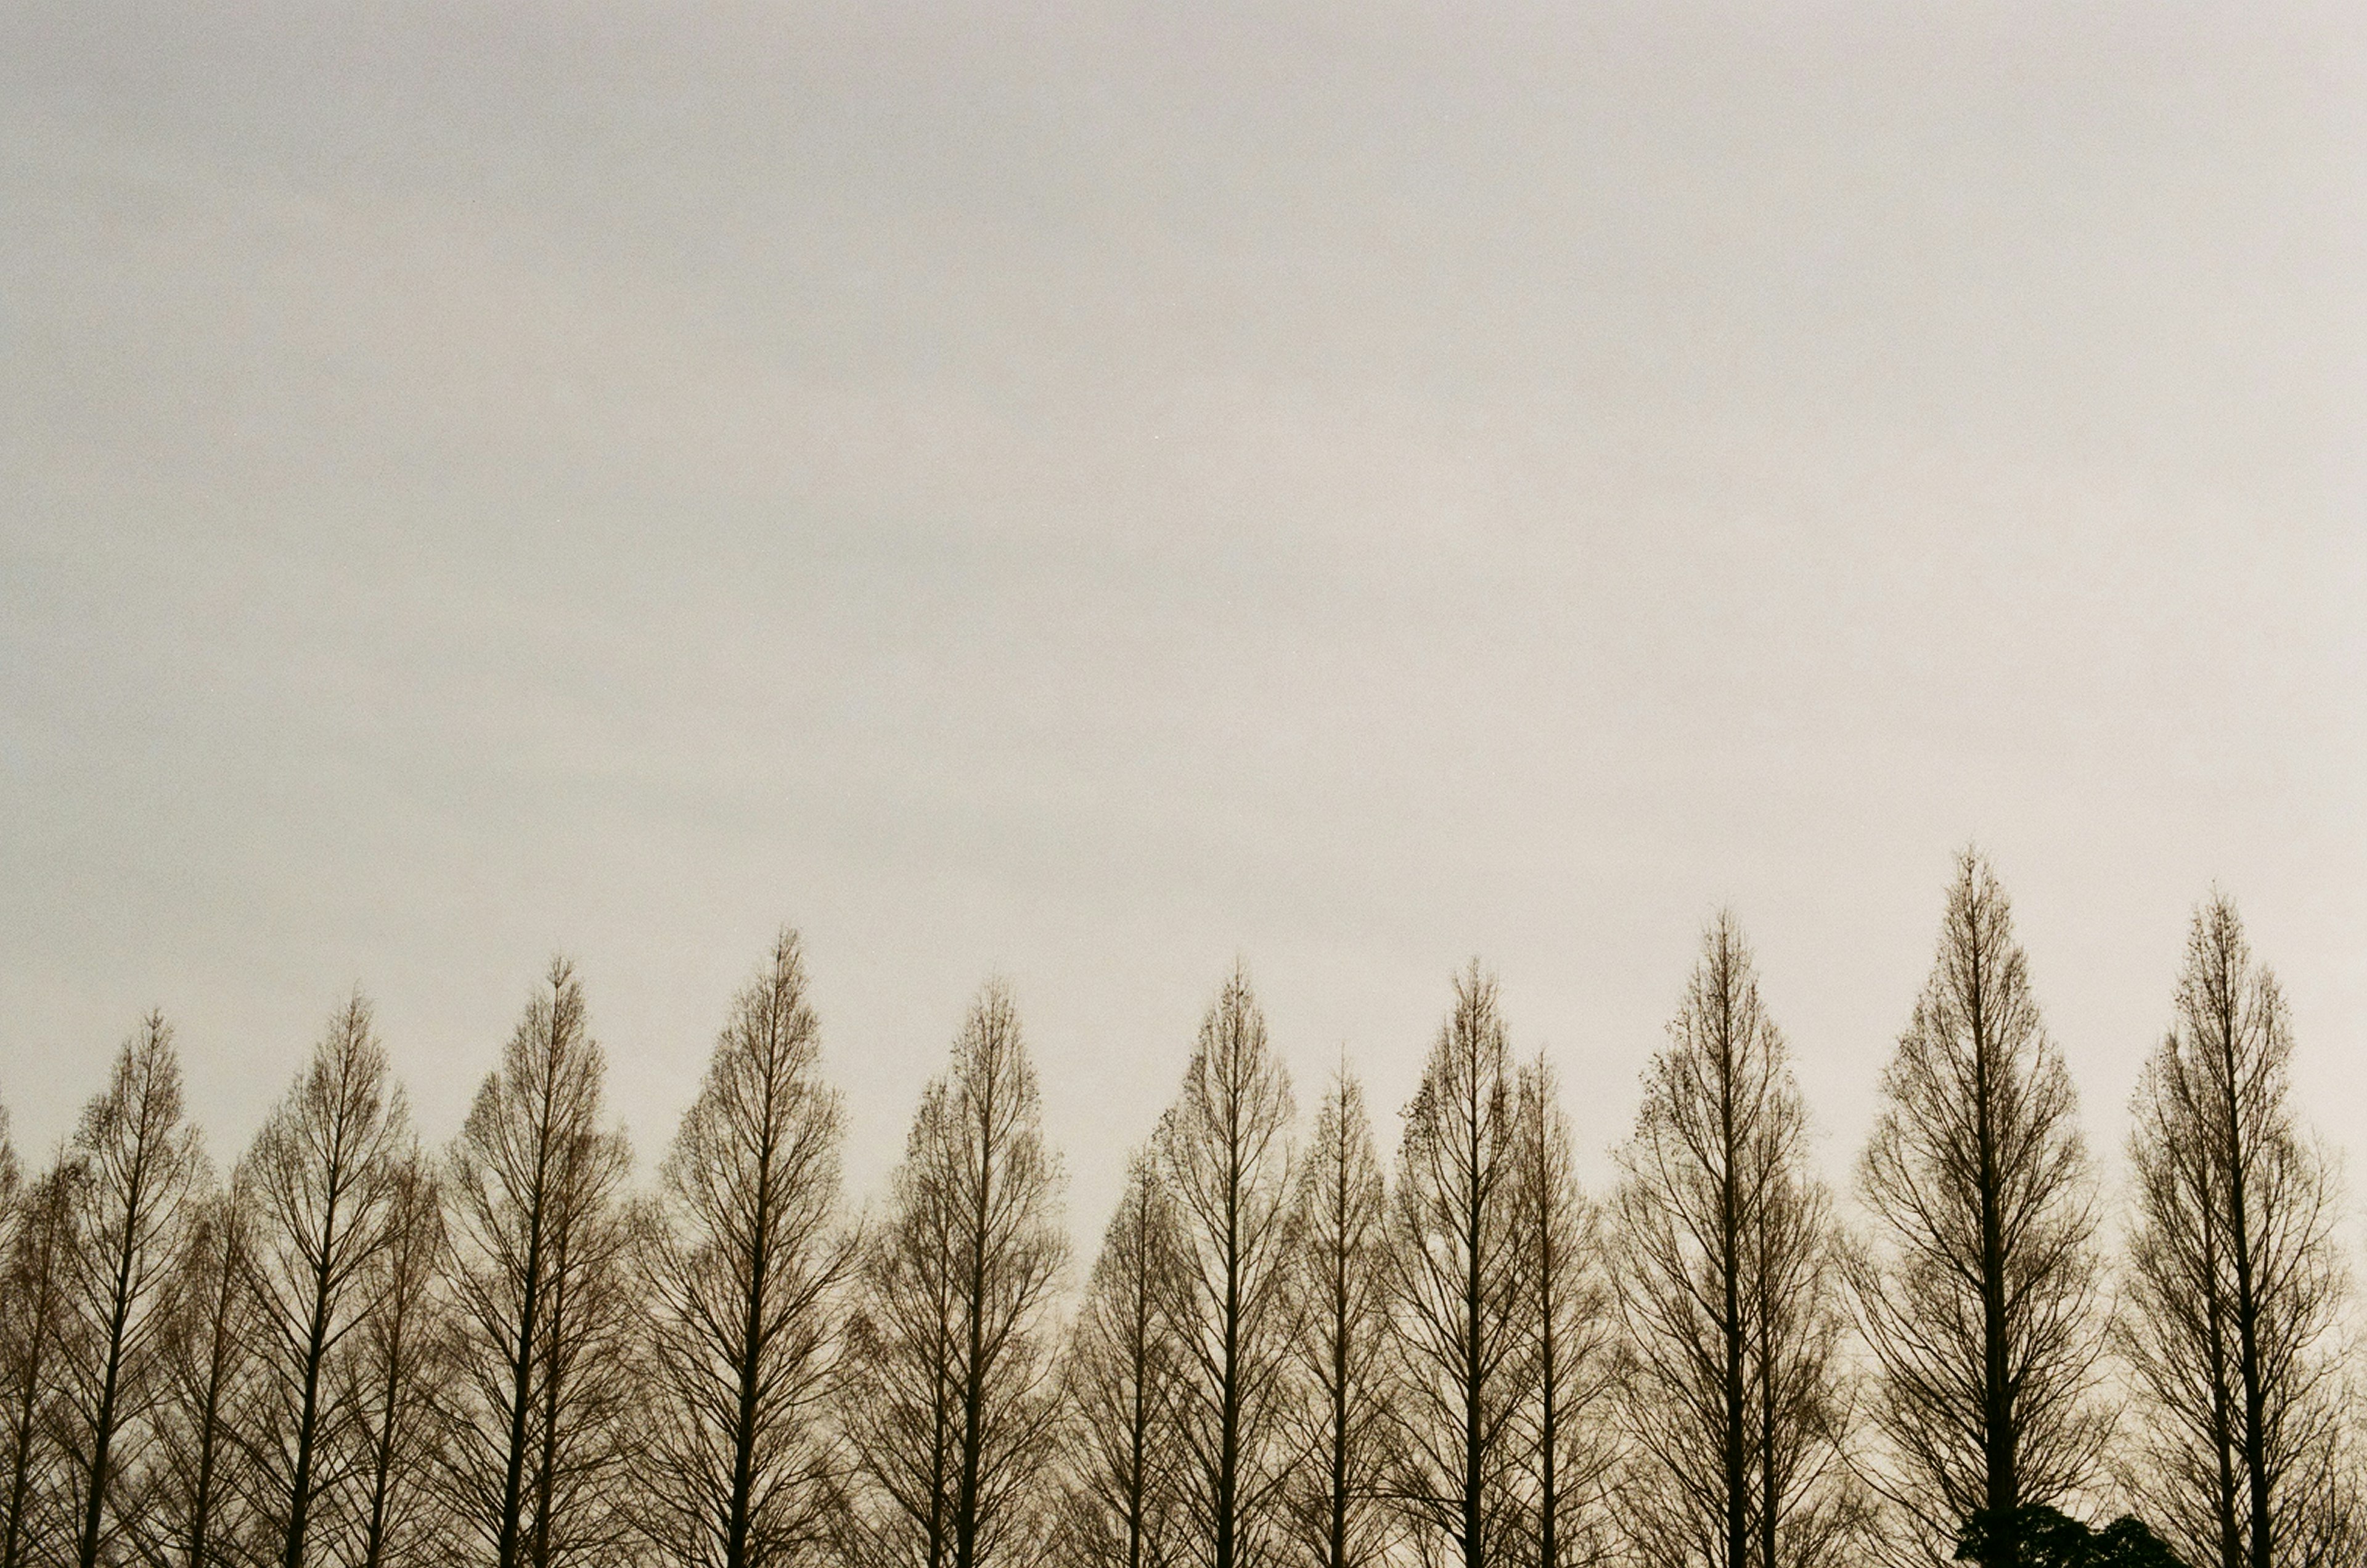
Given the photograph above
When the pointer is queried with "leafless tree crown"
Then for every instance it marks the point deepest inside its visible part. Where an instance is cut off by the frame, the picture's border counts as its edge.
(1736, 1398)
(1460, 1270)
(320, 1188)
(1979, 1297)
(1339, 1438)
(1287, 1354)
(745, 1270)
(545, 1367)
(954, 1411)
(1121, 1378)
(1565, 1443)
(2235, 1282)
(1225, 1155)
(138, 1173)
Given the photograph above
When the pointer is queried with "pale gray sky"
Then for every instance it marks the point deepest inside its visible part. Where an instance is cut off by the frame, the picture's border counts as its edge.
(1087, 491)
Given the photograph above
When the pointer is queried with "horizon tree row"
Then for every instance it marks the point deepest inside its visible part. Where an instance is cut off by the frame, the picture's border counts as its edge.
(356, 1350)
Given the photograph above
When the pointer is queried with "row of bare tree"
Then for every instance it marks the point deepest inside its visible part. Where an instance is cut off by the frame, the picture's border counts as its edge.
(357, 1351)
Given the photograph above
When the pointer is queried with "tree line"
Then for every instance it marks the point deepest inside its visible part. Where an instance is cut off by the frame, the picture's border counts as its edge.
(354, 1350)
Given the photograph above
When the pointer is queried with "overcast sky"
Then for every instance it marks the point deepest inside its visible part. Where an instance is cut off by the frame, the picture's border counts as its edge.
(1087, 493)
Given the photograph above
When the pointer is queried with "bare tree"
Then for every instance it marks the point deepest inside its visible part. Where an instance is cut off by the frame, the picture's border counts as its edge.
(194, 1508)
(537, 1466)
(954, 1400)
(320, 1186)
(746, 1268)
(588, 1434)
(899, 1402)
(1979, 1304)
(2236, 1280)
(395, 1377)
(1120, 1382)
(1726, 1241)
(1338, 1239)
(11, 1177)
(1225, 1155)
(1567, 1446)
(37, 1339)
(1460, 1290)
(1813, 1508)
(140, 1171)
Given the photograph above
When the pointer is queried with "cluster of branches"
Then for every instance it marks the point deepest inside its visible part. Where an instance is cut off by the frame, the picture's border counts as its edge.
(354, 1350)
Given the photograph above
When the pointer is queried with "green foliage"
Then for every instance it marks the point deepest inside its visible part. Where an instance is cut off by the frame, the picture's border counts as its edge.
(2048, 1538)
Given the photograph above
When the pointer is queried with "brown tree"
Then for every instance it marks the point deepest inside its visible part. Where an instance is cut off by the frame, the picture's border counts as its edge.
(1566, 1444)
(1813, 1508)
(1336, 1494)
(746, 1268)
(1979, 1300)
(394, 1377)
(1224, 1156)
(1120, 1380)
(320, 1187)
(195, 1506)
(588, 1434)
(37, 1521)
(954, 1400)
(1460, 1290)
(1736, 1396)
(899, 1402)
(537, 1468)
(11, 1177)
(2235, 1279)
(140, 1173)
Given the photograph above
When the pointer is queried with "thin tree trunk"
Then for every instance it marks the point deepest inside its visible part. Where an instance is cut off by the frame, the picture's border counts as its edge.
(521, 1400)
(103, 1428)
(2248, 1312)
(299, 1489)
(1737, 1517)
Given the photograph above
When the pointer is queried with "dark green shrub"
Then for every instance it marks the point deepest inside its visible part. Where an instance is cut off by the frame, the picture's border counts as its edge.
(2048, 1538)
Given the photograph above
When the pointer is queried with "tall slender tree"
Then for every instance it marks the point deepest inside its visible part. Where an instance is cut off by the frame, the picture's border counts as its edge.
(1813, 1508)
(1460, 1289)
(394, 1376)
(38, 1336)
(141, 1172)
(11, 1175)
(1566, 1442)
(1338, 1438)
(1120, 1380)
(1225, 1155)
(954, 1397)
(195, 1507)
(537, 1469)
(30, 1249)
(1725, 1240)
(899, 1400)
(319, 1183)
(746, 1270)
(588, 1432)
(1979, 1303)
(2236, 1280)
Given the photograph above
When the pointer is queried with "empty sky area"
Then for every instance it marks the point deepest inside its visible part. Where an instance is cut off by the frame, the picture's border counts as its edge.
(1089, 492)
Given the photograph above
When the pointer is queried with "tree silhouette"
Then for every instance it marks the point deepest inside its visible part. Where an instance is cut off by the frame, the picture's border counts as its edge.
(1225, 1159)
(953, 1401)
(2235, 1279)
(746, 1268)
(1461, 1289)
(537, 1467)
(1979, 1303)
(1121, 1380)
(1726, 1244)
(1339, 1240)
